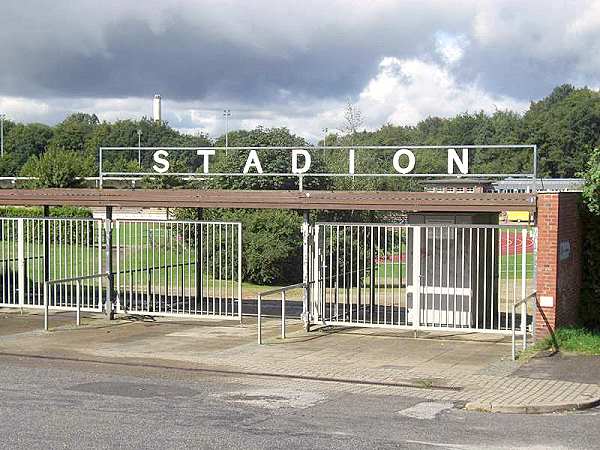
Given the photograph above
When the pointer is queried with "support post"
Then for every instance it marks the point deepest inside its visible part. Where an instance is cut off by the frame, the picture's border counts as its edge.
(46, 244)
(198, 244)
(78, 294)
(21, 260)
(110, 288)
(258, 319)
(282, 314)
(306, 270)
(416, 278)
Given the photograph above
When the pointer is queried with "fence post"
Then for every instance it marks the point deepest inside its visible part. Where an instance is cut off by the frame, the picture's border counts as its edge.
(21, 260)
(198, 244)
(46, 305)
(108, 304)
(416, 276)
(282, 314)
(239, 268)
(258, 320)
(305, 270)
(78, 293)
(524, 286)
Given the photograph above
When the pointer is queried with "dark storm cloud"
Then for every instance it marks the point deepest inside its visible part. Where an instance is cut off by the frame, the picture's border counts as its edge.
(261, 52)
(187, 59)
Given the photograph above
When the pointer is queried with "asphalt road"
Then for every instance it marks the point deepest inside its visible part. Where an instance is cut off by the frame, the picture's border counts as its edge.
(54, 404)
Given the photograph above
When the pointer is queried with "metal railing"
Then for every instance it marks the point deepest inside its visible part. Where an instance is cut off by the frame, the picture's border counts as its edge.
(523, 304)
(283, 291)
(175, 268)
(78, 281)
(426, 277)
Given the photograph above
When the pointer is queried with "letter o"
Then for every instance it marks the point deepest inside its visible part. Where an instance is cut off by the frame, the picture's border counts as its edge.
(411, 161)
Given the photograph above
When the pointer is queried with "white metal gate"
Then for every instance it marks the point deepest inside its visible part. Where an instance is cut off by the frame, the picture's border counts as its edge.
(430, 277)
(166, 268)
(36, 250)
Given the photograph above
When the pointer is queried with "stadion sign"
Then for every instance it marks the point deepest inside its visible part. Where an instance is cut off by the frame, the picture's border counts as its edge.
(402, 161)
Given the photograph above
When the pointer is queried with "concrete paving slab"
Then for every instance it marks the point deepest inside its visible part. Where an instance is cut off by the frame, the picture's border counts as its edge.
(435, 367)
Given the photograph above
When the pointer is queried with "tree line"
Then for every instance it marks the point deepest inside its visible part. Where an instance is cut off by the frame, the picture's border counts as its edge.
(565, 125)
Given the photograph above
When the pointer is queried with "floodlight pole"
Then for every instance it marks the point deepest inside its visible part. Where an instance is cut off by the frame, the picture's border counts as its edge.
(139, 133)
(226, 114)
(2, 116)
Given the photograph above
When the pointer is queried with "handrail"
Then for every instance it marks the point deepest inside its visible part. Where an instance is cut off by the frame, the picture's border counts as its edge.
(78, 279)
(281, 290)
(523, 303)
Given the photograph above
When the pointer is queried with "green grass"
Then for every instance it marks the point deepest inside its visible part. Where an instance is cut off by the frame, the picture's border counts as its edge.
(569, 339)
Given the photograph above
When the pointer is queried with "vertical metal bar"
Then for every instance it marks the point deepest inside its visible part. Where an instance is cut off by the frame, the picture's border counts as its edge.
(282, 314)
(416, 277)
(305, 270)
(258, 319)
(239, 280)
(109, 265)
(78, 292)
(46, 305)
(524, 285)
(21, 260)
(485, 276)
(120, 305)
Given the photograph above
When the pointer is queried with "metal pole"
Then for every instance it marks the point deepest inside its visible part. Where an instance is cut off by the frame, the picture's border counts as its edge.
(198, 243)
(46, 305)
(282, 314)
(240, 271)
(46, 243)
(1, 135)
(100, 168)
(259, 325)
(108, 304)
(78, 302)
(305, 270)
(139, 133)
(226, 113)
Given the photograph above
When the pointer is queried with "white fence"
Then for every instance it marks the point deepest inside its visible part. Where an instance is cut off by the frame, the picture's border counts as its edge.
(429, 277)
(179, 268)
(35, 250)
(160, 267)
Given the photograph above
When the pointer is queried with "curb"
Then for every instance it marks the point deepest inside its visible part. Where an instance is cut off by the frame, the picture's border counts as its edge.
(540, 408)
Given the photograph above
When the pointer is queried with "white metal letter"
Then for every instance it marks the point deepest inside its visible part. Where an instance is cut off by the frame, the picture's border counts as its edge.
(307, 161)
(253, 161)
(159, 158)
(411, 161)
(206, 154)
(461, 164)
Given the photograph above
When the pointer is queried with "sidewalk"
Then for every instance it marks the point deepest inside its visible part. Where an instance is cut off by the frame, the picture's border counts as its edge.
(472, 370)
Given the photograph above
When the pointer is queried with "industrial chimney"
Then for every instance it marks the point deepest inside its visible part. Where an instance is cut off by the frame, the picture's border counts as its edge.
(156, 112)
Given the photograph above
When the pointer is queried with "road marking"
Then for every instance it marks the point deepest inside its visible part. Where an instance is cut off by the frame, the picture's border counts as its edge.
(426, 410)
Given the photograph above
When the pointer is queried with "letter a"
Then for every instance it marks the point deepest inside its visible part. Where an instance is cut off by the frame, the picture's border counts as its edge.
(253, 161)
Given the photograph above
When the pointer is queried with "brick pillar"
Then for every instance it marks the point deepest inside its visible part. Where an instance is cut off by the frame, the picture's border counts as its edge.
(559, 260)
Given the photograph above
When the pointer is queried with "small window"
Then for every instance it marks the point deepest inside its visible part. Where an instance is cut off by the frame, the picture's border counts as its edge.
(439, 189)
(449, 189)
(460, 189)
(470, 189)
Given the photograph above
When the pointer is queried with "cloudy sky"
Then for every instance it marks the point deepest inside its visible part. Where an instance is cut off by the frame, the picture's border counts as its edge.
(289, 63)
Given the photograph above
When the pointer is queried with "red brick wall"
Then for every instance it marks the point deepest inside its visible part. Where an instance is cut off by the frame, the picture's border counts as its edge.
(559, 278)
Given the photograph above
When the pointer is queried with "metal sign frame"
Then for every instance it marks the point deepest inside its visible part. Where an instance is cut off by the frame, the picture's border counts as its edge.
(300, 175)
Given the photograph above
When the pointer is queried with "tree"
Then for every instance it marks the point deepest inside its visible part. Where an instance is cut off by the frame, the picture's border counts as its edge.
(20, 143)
